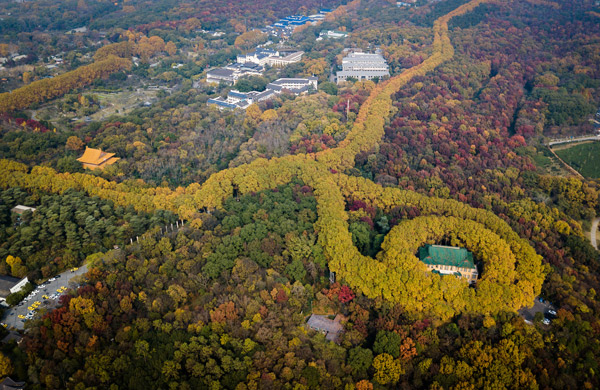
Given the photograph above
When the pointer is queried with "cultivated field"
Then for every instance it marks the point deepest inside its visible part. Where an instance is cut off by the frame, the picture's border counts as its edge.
(585, 158)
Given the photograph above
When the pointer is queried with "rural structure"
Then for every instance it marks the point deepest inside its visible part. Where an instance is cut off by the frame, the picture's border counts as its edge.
(330, 328)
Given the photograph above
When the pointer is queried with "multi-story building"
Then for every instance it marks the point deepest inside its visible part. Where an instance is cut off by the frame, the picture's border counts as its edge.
(259, 56)
(218, 75)
(363, 66)
(283, 60)
(229, 74)
(295, 86)
(333, 34)
(449, 260)
(269, 57)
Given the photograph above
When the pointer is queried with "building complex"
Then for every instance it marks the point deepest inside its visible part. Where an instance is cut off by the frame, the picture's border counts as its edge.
(237, 99)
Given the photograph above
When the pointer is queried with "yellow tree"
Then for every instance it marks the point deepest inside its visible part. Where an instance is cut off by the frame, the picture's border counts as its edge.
(171, 48)
(6, 367)
(387, 370)
(250, 39)
(74, 143)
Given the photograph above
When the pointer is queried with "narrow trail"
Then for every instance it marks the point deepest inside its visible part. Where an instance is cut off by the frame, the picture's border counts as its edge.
(594, 232)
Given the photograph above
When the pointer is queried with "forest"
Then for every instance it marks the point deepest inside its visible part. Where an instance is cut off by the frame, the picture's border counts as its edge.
(316, 205)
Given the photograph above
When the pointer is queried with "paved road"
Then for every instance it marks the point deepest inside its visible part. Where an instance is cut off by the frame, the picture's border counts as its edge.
(593, 232)
(574, 139)
(11, 315)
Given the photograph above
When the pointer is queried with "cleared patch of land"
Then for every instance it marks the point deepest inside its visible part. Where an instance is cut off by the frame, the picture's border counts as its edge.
(584, 158)
(111, 103)
(122, 102)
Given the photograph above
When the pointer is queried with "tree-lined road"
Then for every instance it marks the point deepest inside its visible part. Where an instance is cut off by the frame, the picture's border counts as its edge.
(593, 232)
(569, 140)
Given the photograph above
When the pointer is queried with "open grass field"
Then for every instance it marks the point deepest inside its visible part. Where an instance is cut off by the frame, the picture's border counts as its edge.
(585, 158)
(111, 103)
(122, 102)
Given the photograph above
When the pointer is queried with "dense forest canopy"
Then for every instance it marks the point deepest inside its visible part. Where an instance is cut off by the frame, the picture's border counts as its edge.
(302, 208)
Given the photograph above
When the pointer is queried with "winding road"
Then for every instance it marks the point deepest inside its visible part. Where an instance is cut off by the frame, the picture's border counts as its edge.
(593, 232)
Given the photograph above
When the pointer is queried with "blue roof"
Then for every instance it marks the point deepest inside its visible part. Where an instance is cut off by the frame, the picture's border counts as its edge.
(298, 22)
(325, 11)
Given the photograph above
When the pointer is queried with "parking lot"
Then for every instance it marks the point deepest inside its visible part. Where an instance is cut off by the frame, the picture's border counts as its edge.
(540, 306)
(46, 294)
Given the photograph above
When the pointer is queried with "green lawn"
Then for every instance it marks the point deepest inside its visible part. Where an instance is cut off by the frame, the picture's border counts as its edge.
(584, 158)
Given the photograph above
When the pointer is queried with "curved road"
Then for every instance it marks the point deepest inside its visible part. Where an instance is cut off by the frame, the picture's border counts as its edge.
(594, 231)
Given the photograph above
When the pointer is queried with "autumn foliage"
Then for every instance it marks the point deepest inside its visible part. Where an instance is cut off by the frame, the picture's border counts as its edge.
(512, 269)
(45, 89)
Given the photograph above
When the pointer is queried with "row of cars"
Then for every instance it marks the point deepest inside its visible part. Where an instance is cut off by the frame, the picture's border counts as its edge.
(33, 307)
(549, 313)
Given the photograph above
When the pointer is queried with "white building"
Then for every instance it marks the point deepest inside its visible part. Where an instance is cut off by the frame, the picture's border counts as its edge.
(363, 66)
(281, 61)
(333, 34)
(295, 86)
(269, 57)
(10, 285)
(259, 56)
(232, 72)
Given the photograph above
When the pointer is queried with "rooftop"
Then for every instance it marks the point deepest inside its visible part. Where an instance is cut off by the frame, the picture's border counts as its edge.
(20, 209)
(446, 255)
(332, 328)
(282, 81)
(96, 157)
(6, 283)
(9, 384)
(221, 72)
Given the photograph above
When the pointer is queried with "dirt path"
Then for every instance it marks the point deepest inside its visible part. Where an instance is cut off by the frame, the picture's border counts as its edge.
(594, 231)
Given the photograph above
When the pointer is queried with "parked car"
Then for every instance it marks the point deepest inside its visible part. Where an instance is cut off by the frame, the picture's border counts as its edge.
(546, 321)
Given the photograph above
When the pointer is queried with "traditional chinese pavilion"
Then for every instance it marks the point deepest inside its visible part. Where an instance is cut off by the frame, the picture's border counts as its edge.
(96, 159)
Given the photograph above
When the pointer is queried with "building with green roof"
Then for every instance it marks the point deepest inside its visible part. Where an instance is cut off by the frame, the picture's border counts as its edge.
(449, 260)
